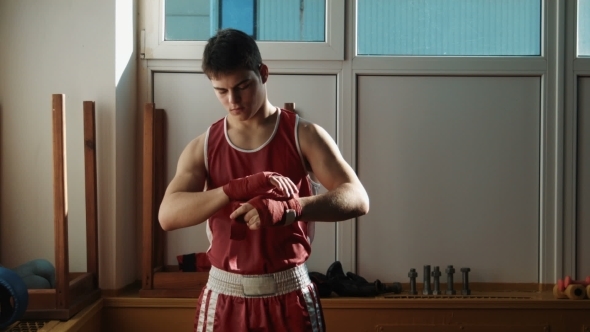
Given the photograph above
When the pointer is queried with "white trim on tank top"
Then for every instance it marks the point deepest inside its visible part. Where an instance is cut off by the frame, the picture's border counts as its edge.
(205, 149)
(258, 148)
(315, 186)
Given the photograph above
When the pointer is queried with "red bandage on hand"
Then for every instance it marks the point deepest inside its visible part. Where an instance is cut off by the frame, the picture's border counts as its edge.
(245, 188)
(273, 211)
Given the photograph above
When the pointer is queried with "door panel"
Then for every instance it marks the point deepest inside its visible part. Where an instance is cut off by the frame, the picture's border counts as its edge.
(451, 165)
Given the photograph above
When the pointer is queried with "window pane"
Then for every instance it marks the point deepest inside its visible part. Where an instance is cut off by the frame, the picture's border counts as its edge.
(265, 20)
(584, 27)
(291, 20)
(238, 14)
(449, 27)
(187, 19)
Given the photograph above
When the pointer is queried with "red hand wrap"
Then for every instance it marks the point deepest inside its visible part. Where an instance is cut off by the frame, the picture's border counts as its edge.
(246, 188)
(272, 210)
(238, 227)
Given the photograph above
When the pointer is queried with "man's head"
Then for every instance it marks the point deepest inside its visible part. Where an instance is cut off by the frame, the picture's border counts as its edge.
(230, 50)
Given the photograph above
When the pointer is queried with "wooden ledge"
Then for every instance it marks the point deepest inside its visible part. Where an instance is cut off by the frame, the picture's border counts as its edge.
(43, 303)
(149, 302)
(478, 300)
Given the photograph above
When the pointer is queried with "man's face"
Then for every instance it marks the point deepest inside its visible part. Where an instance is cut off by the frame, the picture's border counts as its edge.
(241, 92)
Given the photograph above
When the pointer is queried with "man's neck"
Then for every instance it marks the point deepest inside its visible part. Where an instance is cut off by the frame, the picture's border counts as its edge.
(264, 116)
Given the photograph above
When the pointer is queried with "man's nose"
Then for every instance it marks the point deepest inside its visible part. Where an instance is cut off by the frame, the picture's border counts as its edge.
(234, 97)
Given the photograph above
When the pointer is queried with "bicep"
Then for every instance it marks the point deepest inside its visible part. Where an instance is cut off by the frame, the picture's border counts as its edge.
(191, 174)
(323, 156)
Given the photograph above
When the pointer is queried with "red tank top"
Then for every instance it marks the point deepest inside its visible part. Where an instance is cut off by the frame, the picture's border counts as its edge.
(269, 249)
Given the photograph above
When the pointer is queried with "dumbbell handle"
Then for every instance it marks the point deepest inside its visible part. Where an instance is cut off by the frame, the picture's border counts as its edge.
(563, 283)
(568, 281)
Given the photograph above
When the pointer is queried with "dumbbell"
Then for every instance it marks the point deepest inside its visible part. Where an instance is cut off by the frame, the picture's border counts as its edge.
(436, 275)
(427, 290)
(465, 272)
(579, 289)
(450, 271)
(412, 275)
(572, 289)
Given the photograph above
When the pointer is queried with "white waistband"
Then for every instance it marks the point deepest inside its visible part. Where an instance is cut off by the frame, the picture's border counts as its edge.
(262, 285)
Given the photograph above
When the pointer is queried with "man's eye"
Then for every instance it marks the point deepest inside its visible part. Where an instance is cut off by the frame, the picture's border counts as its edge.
(244, 87)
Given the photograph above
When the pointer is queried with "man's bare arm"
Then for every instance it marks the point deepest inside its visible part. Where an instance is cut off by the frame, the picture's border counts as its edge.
(185, 203)
(346, 197)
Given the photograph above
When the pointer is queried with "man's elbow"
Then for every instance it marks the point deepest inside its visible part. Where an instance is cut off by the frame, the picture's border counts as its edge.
(361, 202)
(363, 206)
(165, 226)
(166, 221)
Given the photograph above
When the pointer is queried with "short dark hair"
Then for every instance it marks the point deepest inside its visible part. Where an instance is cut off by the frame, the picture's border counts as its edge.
(229, 50)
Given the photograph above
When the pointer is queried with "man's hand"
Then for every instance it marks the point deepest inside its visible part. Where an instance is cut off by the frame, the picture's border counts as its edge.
(266, 212)
(246, 188)
(248, 214)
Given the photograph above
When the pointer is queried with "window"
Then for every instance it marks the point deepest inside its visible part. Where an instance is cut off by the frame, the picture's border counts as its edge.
(187, 20)
(449, 27)
(287, 20)
(584, 28)
(285, 30)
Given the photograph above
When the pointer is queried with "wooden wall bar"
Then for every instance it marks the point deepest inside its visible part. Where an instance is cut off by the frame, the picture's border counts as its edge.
(73, 291)
(60, 206)
(91, 190)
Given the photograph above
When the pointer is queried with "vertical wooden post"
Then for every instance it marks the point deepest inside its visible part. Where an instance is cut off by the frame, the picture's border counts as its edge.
(148, 197)
(60, 202)
(159, 184)
(290, 107)
(91, 190)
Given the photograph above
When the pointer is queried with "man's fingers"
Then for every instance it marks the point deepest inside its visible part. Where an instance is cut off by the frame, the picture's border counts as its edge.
(285, 185)
(254, 222)
(240, 211)
(246, 210)
(248, 214)
(251, 215)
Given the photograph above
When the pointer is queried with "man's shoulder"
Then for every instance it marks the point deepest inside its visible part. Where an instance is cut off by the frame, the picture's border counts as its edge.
(306, 126)
(218, 122)
(216, 127)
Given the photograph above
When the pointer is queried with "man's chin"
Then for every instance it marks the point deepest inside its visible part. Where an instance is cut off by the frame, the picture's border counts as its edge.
(238, 112)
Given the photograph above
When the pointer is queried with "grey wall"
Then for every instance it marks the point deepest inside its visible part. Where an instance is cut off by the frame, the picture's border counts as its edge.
(451, 165)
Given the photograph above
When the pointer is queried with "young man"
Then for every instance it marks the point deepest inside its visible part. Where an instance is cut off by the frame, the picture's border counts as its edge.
(248, 177)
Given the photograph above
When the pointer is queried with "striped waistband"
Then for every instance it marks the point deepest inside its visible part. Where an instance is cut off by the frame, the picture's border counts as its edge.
(262, 285)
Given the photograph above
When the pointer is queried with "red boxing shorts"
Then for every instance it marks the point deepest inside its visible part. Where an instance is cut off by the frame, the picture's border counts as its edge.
(285, 301)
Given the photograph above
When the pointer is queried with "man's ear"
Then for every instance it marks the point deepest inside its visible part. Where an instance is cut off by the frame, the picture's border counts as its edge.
(263, 72)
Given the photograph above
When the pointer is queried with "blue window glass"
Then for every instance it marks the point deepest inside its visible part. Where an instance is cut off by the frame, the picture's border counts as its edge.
(584, 27)
(187, 19)
(238, 14)
(449, 27)
(265, 20)
(291, 20)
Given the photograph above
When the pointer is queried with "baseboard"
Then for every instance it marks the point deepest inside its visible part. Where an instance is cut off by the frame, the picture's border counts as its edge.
(128, 289)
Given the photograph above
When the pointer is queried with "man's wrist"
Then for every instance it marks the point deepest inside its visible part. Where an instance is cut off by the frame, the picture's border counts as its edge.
(289, 217)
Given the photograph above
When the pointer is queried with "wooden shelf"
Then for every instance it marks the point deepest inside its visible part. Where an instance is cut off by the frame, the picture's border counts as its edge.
(484, 311)
(73, 291)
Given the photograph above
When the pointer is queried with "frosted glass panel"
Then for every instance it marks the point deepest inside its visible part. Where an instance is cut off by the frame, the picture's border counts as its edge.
(291, 20)
(265, 20)
(584, 27)
(187, 19)
(238, 14)
(449, 27)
